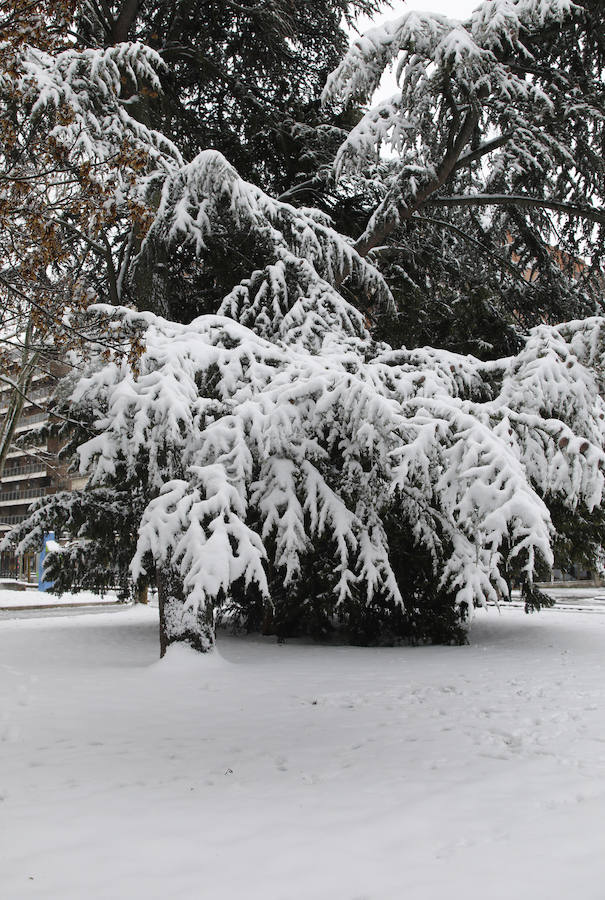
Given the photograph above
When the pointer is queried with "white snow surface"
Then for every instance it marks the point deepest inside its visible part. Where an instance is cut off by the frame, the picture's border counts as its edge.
(16, 599)
(302, 772)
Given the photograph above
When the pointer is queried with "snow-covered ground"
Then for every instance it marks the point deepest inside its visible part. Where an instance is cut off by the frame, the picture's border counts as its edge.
(302, 772)
(19, 599)
(566, 595)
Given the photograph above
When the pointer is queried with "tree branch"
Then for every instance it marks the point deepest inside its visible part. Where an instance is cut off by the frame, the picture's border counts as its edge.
(518, 200)
(503, 263)
(483, 150)
(402, 211)
(56, 320)
(123, 23)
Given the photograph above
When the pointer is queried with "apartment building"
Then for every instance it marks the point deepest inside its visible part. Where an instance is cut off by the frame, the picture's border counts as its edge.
(29, 474)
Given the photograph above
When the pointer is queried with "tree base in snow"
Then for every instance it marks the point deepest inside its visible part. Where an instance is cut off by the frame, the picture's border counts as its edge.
(178, 622)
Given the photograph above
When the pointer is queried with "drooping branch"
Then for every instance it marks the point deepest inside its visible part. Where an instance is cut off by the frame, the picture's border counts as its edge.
(519, 200)
(393, 211)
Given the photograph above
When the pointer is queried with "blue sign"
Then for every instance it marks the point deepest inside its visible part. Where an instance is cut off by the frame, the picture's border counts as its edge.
(44, 585)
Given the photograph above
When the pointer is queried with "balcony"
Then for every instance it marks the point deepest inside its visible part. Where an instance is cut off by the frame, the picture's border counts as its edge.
(34, 469)
(13, 498)
(28, 421)
(39, 393)
(7, 521)
(27, 454)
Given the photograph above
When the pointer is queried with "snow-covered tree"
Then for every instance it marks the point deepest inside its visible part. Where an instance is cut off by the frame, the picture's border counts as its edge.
(205, 210)
(258, 439)
(260, 109)
(270, 455)
(75, 173)
(491, 165)
(251, 453)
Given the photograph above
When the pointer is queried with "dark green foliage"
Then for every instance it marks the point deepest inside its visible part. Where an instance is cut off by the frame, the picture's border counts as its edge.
(430, 614)
(579, 538)
(579, 541)
(535, 599)
(309, 607)
(242, 78)
(464, 284)
(463, 323)
(304, 607)
(191, 284)
(102, 526)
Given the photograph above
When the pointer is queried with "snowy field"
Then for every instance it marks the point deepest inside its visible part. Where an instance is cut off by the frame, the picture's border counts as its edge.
(31, 597)
(300, 772)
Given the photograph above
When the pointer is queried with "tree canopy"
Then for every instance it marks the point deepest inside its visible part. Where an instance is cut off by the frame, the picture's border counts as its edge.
(276, 446)
(244, 79)
(493, 178)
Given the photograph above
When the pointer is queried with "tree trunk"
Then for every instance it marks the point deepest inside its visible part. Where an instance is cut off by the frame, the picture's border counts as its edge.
(150, 274)
(17, 397)
(178, 623)
(141, 594)
(124, 21)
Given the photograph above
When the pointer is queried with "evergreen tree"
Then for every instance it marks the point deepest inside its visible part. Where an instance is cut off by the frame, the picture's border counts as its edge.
(497, 185)
(283, 464)
(244, 79)
(275, 439)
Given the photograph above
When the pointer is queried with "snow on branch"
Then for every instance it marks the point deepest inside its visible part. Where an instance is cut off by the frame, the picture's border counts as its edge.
(251, 451)
(444, 69)
(293, 297)
(418, 39)
(199, 525)
(91, 91)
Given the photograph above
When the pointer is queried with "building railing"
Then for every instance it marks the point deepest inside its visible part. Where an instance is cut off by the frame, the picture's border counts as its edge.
(13, 519)
(30, 419)
(24, 469)
(34, 394)
(24, 495)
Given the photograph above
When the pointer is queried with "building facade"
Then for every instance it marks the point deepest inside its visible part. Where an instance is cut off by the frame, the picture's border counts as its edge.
(29, 474)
